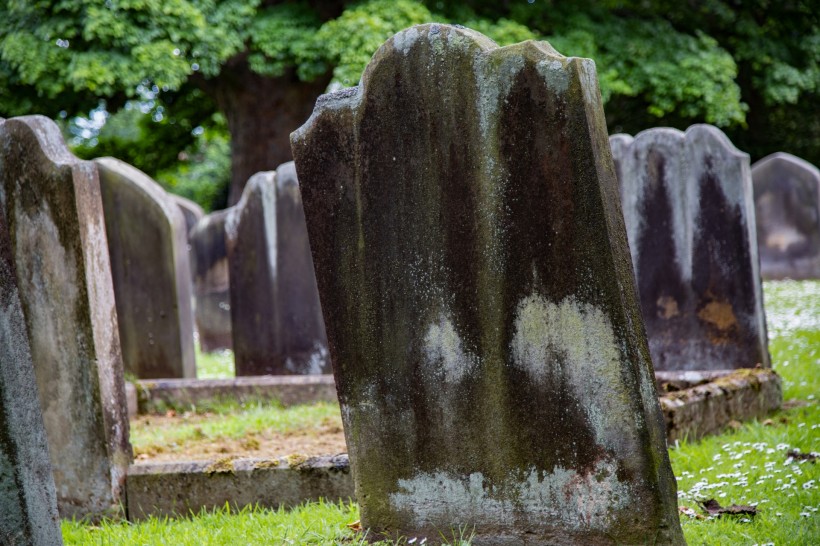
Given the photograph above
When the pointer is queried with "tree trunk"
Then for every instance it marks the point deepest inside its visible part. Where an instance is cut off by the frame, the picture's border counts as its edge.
(261, 113)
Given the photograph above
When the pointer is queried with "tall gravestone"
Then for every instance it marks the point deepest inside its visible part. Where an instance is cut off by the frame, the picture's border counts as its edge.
(212, 308)
(54, 212)
(687, 203)
(148, 247)
(478, 295)
(28, 499)
(275, 312)
(787, 208)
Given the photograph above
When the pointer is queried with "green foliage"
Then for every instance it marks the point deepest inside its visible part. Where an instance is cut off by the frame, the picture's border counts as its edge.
(352, 38)
(751, 68)
(203, 172)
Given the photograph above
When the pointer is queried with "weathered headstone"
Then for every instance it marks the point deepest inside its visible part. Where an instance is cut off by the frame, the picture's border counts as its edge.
(28, 499)
(192, 212)
(275, 312)
(687, 203)
(54, 211)
(148, 247)
(787, 208)
(212, 308)
(479, 300)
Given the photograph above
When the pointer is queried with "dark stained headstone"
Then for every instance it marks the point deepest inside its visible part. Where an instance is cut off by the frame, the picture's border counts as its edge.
(28, 499)
(275, 312)
(148, 247)
(787, 209)
(687, 204)
(212, 308)
(479, 300)
(53, 207)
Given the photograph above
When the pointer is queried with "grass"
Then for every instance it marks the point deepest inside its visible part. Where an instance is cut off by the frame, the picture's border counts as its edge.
(152, 435)
(217, 365)
(744, 466)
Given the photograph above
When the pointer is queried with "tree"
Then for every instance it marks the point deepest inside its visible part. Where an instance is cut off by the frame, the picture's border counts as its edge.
(262, 63)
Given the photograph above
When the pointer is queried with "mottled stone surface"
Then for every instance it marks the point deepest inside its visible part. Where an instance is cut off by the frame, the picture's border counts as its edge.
(276, 317)
(687, 203)
(212, 308)
(28, 499)
(479, 299)
(148, 248)
(54, 211)
(787, 208)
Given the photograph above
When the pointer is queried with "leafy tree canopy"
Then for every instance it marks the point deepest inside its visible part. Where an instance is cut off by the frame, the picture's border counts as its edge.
(747, 67)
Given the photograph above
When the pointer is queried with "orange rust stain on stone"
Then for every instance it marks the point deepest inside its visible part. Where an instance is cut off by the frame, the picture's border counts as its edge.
(667, 307)
(719, 314)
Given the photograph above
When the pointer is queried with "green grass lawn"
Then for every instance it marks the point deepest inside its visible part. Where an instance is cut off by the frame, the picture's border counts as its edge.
(747, 466)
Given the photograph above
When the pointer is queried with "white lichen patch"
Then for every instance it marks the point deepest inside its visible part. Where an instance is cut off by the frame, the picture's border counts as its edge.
(563, 498)
(555, 74)
(404, 40)
(444, 352)
(573, 344)
(494, 79)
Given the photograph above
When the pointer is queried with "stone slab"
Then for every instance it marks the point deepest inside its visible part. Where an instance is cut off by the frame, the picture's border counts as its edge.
(173, 489)
(54, 212)
(155, 396)
(148, 248)
(276, 316)
(710, 407)
(689, 214)
(479, 300)
(212, 308)
(787, 206)
(28, 498)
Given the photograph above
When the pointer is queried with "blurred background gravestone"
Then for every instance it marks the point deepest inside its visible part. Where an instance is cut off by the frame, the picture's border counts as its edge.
(212, 308)
(276, 317)
(479, 301)
(687, 203)
(787, 207)
(54, 211)
(28, 499)
(148, 247)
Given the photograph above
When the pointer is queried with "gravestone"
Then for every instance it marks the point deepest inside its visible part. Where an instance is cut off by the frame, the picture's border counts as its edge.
(192, 212)
(212, 308)
(787, 208)
(28, 499)
(148, 247)
(479, 300)
(275, 312)
(54, 211)
(687, 205)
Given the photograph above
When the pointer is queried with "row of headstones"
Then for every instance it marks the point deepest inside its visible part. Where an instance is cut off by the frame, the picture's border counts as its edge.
(254, 284)
(480, 299)
(269, 314)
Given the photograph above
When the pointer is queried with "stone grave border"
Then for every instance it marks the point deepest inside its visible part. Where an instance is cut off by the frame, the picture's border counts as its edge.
(694, 404)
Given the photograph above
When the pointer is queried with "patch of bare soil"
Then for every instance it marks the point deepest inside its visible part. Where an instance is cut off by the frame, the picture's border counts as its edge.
(326, 438)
